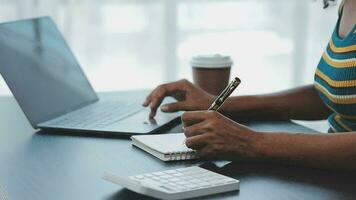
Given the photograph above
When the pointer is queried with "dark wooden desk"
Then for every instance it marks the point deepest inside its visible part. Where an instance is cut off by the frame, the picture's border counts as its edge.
(49, 167)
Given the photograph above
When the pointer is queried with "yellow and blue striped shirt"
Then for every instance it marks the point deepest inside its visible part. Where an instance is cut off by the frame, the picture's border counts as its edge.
(335, 80)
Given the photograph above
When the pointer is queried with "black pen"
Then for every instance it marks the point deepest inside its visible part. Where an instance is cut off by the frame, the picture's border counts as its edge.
(219, 101)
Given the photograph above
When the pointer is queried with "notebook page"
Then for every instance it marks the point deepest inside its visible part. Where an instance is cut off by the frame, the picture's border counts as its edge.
(165, 143)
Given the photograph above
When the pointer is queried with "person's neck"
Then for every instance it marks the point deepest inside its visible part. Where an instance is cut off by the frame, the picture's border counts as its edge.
(348, 19)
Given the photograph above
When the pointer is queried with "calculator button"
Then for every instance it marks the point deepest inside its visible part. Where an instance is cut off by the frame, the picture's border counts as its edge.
(182, 182)
(184, 169)
(170, 171)
(148, 175)
(170, 184)
(191, 186)
(177, 174)
(166, 176)
(207, 178)
(164, 181)
(195, 181)
(140, 177)
(174, 179)
(187, 178)
(158, 173)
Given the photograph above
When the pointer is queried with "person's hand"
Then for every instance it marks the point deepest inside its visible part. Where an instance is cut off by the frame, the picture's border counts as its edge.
(188, 96)
(215, 136)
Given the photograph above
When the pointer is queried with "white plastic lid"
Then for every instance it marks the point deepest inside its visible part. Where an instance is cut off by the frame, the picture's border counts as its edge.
(211, 61)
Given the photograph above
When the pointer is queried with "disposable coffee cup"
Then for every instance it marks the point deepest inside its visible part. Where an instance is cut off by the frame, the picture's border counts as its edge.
(211, 72)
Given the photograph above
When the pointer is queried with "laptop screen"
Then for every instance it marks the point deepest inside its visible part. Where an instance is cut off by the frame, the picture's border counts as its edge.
(41, 71)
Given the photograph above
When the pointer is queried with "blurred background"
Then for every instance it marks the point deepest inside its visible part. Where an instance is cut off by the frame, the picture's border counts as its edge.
(134, 44)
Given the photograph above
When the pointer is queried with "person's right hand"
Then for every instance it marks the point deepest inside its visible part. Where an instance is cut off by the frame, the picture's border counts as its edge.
(188, 96)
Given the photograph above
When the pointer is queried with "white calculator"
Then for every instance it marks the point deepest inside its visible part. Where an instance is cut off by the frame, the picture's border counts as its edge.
(176, 184)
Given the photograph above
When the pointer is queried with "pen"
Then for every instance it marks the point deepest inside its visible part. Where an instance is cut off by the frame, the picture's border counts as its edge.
(219, 101)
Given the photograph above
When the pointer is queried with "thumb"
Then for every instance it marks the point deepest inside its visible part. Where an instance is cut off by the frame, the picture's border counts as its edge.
(173, 107)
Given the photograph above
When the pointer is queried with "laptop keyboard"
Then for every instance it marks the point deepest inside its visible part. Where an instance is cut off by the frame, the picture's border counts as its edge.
(98, 115)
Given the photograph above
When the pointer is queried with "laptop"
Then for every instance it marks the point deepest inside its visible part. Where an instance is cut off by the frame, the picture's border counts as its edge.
(53, 91)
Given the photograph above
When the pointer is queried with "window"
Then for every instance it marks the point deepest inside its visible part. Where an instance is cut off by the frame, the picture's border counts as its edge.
(124, 44)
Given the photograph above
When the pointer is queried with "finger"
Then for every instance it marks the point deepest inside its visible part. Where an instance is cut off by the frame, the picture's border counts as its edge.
(152, 114)
(206, 152)
(173, 107)
(148, 98)
(146, 102)
(154, 105)
(197, 142)
(193, 117)
(195, 129)
(157, 95)
(156, 99)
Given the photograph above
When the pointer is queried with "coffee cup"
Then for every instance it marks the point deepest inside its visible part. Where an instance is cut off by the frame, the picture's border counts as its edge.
(211, 72)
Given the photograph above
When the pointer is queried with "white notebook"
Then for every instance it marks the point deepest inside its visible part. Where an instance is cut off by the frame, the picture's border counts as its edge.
(166, 147)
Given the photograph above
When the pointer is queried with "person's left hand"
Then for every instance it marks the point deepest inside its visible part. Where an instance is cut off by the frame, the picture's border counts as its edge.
(215, 136)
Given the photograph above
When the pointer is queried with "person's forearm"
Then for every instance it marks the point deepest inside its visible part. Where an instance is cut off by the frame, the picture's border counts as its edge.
(299, 103)
(332, 151)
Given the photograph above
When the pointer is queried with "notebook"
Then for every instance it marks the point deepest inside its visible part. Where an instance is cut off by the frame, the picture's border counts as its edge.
(167, 147)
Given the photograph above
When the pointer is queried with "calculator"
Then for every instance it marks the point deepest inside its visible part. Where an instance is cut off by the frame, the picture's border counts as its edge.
(176, 184)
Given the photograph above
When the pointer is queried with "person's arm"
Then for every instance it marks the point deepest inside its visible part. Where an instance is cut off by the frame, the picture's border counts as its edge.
(213, 135)
(331, 151)
(299, 103)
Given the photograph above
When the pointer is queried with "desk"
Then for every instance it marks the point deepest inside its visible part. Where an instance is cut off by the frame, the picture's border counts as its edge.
(49, 167)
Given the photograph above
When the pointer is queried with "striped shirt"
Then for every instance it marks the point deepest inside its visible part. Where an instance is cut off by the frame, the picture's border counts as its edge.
(335, 80)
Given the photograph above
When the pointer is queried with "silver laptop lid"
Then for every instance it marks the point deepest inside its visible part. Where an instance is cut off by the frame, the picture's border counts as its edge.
(41, 71)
